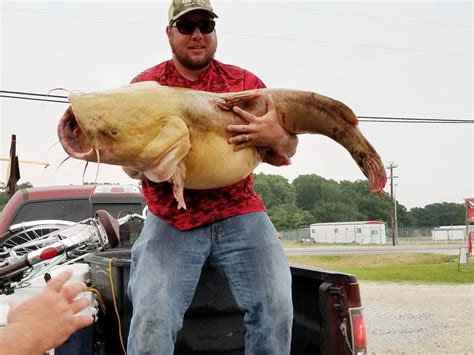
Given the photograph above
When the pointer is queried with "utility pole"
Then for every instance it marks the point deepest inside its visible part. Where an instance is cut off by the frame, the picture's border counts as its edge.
(394, 205)
(14, 169)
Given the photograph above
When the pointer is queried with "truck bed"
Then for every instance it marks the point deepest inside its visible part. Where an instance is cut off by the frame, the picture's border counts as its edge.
(214, 324)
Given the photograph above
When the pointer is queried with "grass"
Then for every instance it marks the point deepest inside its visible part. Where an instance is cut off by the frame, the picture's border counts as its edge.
(418, 268)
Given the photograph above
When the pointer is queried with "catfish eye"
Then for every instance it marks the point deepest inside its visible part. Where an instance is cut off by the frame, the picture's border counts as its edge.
(114, 132)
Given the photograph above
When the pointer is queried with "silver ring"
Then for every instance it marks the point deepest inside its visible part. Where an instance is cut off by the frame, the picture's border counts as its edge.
(247, 138)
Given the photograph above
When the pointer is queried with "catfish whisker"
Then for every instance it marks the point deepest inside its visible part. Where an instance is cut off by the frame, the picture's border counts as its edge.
(52, 90)
(84, 173)
(62, 163)
(98, 164)
(57, 89)
(53, 145)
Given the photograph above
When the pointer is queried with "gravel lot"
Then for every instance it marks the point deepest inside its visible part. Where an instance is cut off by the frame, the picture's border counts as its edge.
(418, 319)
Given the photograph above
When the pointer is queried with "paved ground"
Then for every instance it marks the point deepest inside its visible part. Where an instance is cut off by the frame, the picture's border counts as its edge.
(419, 319)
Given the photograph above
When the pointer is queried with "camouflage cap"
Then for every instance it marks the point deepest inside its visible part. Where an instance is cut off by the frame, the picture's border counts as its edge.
(180, 7)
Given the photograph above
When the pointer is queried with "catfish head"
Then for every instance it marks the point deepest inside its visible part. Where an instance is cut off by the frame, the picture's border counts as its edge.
(130, 127)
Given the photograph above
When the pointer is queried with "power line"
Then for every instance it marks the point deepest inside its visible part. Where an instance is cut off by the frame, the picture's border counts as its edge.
(395, 120)
(35, 97)
(380, 119)
(346, 44)
(32, 99)
(81, 17)
(31, 94)
(411, 119)
(264, 36)
(306, 10)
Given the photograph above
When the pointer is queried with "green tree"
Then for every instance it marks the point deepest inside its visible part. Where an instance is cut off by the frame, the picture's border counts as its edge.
(286, 217)
(307, 191)
(275, 190)
(404, 217)
(4, 196)
(336, 211)
(374, 207)
(439, 214)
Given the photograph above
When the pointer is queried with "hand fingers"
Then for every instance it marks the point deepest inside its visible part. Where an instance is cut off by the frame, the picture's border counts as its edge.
(79, 305)
(57, 282)
(244, 145)
(71, 291)
(82, 321)
(244, 114)
(241, 138)
(239, 128)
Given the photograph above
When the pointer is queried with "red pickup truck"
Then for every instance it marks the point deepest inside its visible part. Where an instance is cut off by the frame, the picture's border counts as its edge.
(328, 316)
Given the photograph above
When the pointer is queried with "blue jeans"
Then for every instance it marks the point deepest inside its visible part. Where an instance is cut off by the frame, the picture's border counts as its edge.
(166, 266)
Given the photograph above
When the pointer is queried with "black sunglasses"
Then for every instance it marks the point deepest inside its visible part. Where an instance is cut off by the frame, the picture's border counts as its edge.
(187, 27)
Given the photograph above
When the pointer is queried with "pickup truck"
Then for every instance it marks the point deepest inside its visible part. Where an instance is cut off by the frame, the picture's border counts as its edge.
(328, 314)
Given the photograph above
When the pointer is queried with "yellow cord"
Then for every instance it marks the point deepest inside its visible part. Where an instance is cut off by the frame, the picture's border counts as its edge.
(98, 296)
(115, 304)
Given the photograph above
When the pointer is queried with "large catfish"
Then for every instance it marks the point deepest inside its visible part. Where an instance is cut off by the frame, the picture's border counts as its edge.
(179, 135)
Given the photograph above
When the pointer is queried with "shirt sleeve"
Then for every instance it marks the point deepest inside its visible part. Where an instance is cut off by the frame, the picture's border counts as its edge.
(151, 74)
(251, 81)
(147, 75)
(136, 79)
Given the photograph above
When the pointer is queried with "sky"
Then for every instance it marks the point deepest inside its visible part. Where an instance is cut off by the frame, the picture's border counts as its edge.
(395, 59)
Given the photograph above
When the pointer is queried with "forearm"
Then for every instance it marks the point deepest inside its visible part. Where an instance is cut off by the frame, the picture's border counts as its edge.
(286, 145)
(279, 154)
(18, 342)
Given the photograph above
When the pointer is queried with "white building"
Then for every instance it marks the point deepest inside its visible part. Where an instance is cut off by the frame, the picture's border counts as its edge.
(445, 233)
(365, 232)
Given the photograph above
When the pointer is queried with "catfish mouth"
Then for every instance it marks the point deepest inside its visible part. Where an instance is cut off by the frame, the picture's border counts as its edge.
(73, 139)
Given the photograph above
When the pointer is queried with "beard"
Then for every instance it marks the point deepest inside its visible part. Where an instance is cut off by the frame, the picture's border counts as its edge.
(193, 63)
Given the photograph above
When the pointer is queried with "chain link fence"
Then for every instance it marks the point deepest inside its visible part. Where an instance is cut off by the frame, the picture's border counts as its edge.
(295, 235)
(415, 236)
(406, 236)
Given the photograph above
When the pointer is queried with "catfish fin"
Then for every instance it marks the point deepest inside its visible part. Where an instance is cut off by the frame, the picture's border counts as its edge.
(166, 150)
(177, 181)
(228, 101)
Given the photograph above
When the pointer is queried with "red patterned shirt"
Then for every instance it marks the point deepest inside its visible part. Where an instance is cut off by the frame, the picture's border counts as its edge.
(202, 206)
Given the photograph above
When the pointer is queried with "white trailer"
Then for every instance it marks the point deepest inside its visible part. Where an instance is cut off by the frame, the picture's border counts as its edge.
(445, 233)
(360, 232)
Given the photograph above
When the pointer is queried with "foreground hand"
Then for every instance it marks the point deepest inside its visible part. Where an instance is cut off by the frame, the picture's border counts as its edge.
(46, 320)
(264, 131)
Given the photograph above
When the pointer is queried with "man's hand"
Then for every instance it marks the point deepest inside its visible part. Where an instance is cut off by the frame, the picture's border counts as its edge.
(46, 320)
(264, 131)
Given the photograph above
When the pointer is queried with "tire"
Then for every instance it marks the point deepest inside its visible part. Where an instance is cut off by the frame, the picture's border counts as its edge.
(15, 240)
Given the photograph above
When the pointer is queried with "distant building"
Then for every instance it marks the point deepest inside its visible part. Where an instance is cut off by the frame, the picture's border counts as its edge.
(445, 233)
(361, 232)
